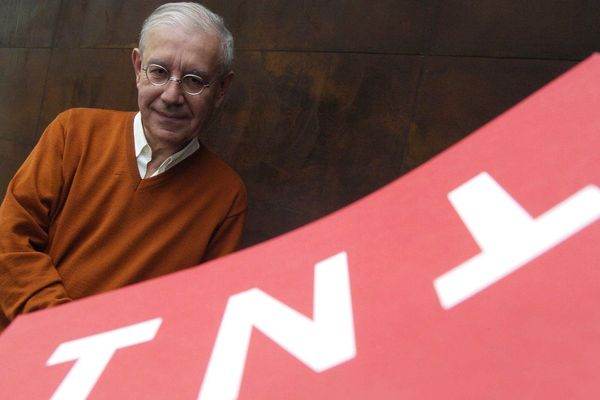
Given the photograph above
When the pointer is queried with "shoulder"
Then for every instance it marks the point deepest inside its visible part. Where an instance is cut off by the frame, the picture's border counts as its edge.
(219, 169)
(78, 129)
(82, 125)
(93, 116)
(222, 179)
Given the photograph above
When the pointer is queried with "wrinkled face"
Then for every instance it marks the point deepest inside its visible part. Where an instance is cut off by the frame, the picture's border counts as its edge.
(171, 117)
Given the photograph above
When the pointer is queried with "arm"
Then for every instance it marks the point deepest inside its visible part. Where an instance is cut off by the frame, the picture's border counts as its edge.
(28, 278)
(228, 236)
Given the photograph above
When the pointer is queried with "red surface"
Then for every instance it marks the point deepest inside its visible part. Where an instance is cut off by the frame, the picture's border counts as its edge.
(533, 334)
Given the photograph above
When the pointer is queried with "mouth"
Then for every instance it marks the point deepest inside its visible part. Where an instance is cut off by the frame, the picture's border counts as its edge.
(171, 116)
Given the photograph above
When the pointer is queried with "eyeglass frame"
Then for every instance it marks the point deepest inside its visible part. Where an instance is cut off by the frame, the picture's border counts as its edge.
(178, 80)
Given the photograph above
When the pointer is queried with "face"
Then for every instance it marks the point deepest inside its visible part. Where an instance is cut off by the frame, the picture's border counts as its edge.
(171, 117)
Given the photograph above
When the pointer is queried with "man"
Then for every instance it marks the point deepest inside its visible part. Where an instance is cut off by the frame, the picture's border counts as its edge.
(109, 198)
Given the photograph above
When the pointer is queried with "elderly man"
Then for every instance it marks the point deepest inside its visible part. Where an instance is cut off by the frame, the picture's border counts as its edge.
(109, 198)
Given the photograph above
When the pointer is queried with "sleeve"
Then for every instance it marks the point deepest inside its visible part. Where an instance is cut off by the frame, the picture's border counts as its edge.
(227, 238)
(29, 280)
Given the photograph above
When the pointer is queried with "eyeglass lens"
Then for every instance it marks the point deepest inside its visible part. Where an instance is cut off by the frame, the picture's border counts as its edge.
(191, 84)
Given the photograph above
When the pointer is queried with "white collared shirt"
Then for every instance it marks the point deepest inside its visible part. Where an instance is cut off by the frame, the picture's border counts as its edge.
(143, 152)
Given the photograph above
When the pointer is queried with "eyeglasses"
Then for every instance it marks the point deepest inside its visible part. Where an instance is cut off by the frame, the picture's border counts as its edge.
(190, 83)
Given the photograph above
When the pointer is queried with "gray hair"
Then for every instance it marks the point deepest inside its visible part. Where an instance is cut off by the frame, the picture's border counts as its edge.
(191, 16)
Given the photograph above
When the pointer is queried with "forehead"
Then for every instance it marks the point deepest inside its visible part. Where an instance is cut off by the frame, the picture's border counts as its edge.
(178, 48)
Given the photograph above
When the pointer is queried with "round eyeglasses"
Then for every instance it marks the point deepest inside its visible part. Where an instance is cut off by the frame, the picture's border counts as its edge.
(190, 83)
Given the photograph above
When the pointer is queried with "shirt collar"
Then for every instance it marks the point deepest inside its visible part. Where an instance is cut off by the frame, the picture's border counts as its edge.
(138, 134)
(141, 143)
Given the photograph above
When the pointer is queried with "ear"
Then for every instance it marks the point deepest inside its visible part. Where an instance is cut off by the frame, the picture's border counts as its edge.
(223, 87)
(136, 59)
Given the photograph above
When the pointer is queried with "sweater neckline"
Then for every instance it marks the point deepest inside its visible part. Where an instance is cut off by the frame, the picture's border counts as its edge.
(131, 161)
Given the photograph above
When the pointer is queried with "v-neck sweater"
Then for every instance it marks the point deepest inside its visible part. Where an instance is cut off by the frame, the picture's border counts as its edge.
(78, 220)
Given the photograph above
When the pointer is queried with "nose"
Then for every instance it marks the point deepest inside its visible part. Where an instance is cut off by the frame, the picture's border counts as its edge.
(172, 92)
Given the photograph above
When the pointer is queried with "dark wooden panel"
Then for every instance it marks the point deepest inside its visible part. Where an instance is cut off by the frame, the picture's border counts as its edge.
(458, 95)
(516, 28)
(12, 155)
(311, 133)
(101, 23)
(336, 25)
(22, 78)
(28, 23)
(340, 25)
(89, 78)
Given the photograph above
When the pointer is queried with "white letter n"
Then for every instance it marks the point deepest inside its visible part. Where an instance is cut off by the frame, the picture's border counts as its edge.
(321, 343)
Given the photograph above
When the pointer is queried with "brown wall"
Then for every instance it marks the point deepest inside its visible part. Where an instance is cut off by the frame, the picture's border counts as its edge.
(332, 99)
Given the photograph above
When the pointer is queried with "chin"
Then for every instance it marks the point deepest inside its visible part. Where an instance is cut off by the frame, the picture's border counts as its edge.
(173, 136)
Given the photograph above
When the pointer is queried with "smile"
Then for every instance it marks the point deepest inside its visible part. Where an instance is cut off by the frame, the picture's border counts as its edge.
(169, 116)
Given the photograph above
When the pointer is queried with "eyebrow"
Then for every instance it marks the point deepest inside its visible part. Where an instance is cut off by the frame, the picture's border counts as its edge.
(199, 73)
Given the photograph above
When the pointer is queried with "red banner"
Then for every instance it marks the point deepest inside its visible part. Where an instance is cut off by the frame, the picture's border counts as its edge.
(475, 276)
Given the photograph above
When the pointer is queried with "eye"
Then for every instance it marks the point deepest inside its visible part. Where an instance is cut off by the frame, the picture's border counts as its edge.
(157, 73)
(193, 81)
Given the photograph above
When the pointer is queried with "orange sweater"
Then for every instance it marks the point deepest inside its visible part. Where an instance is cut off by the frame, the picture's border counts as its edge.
(78, 220)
